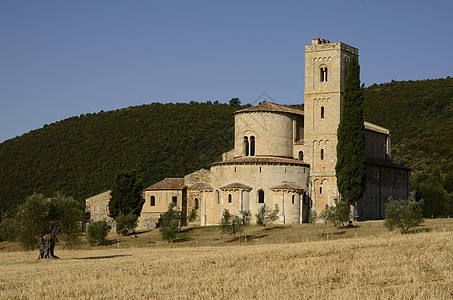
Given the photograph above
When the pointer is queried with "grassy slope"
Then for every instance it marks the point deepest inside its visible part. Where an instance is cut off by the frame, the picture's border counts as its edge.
(384, 266)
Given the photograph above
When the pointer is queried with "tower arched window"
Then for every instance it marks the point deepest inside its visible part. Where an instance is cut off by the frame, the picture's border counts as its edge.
(260, 196)
(322, 154)
(301, 155)
(252, 146)
(246, 146)
(153, 201)
(322, 112)
(323, 74)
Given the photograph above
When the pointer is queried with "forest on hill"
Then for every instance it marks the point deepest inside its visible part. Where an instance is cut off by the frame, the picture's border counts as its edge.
(80, 156)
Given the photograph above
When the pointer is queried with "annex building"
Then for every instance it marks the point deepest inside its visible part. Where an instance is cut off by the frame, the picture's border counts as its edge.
(286, 156)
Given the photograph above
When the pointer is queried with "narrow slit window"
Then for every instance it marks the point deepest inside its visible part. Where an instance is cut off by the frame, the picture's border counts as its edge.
(252, 146)
(293, 199)
(322, 112)
(322, 154)
(196, 203)
(153, 201)
(174, 200)
(320, 190)
(323, 74)
(229, 198)
(301, 155)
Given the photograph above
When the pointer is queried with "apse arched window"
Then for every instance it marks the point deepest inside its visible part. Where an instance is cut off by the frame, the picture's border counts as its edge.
(153, 201)
(174, 200)
(196, 203)
(252, 146)
(301, 155)
(322, 153)
(229, 198)
(323, 74)
(322, 112)
(246, 146)
(260, 196)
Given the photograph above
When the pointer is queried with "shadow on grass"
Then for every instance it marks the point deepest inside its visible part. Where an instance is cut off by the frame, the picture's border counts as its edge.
(418, 230)
(182, 239)
(247, 238)
(276, 227)
(103, 257)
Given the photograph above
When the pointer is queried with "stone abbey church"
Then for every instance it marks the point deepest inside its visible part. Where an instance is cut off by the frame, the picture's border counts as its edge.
(286, 156)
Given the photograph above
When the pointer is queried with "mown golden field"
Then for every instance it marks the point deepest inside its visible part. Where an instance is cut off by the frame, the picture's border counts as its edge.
(382, 265)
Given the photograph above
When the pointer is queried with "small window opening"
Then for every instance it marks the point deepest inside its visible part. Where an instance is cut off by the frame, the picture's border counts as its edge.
(301, 155)
(293, 199)
(196, 203)
(260, 169)
(320, 190)
(322, 112)
(153, 201)
(217, 196)
(174, 200)
(229, 198)
(252, 146)
(260, 196)
(234, 169)
(323, 74)
(322, 154)
(246, 145)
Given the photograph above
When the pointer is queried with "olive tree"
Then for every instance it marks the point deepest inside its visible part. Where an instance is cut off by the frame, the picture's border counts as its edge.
(43, 221)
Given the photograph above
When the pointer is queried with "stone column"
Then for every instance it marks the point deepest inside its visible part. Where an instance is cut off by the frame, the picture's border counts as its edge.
(301, 209)
(203, 217)
(282, 211)
(221, 205)
(240, 201)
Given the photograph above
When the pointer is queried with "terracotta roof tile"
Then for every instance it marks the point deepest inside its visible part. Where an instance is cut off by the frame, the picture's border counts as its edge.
(287, 186)
(236, 185)
(271, 107)
(167, 184)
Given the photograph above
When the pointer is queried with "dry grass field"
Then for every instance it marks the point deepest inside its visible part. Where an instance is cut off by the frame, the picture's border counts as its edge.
(351, 265)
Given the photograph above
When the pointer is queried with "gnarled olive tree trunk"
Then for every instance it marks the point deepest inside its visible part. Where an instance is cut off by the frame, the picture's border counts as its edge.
(46, 245)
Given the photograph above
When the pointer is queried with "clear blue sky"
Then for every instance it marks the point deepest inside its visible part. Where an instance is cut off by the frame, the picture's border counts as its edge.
(65, 58)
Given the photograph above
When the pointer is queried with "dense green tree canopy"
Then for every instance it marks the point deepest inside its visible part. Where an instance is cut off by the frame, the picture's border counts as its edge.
(351, 155)
(126, 195)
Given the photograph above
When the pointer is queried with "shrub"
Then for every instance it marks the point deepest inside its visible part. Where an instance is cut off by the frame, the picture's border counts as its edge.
(232, 224)
(340, 213)
(97, 233)
(169, 223)
(403, 214)
(266, 215)
(126, 223)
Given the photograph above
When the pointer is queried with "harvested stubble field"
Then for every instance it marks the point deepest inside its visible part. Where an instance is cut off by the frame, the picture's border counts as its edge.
(383, 266)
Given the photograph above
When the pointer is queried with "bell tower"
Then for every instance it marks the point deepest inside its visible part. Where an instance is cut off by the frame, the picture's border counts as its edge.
(325, 72)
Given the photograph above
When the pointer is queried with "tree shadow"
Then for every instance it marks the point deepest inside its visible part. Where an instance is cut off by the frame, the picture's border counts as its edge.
(247, 238)
(103, 257)
(276, 227)
(182, 239)
(417, 230)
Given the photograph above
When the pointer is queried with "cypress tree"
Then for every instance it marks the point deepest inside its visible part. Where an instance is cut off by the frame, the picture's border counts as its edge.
(351, 156)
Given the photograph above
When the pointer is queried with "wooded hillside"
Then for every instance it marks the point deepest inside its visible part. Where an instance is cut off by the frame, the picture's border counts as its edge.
(81, 155)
